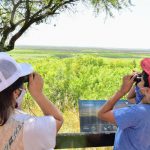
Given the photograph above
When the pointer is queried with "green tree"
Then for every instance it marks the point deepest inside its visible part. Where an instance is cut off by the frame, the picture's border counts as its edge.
(17, 16)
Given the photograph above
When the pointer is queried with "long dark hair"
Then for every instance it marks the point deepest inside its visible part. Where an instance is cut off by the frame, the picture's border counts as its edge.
(145, 78)
(6, 100)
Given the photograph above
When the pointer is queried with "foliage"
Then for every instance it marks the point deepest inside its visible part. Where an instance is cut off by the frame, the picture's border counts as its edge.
(79, 77)
(17, 16)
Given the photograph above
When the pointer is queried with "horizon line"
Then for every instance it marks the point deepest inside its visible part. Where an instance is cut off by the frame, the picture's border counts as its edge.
(92, 47)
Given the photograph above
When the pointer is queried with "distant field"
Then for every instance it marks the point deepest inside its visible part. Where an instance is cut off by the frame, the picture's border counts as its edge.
(64, 53)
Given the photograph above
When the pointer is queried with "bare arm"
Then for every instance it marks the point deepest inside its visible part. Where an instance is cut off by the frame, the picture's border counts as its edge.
(106, 111)
(47, 107)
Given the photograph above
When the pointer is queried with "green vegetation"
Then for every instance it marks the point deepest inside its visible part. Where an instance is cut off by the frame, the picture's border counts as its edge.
(73, 75)
(36, 52)
(77, 75)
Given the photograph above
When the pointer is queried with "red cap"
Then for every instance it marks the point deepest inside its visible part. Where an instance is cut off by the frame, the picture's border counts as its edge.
(145, 64)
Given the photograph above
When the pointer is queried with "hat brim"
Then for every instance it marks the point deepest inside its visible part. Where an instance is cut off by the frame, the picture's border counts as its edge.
(26, 69)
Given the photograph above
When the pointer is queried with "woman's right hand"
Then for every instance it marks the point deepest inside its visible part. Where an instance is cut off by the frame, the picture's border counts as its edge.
(35, 85)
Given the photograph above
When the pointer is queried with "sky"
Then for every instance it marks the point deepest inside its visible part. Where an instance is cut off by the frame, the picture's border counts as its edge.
(129, 28)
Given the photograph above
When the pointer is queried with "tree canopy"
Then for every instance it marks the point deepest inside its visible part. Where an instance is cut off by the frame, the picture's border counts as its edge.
(17, 16)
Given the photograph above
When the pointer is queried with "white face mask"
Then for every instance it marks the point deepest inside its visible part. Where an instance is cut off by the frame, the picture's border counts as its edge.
(20, 98)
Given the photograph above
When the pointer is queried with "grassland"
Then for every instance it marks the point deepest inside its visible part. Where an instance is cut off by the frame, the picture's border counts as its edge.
(71, 52)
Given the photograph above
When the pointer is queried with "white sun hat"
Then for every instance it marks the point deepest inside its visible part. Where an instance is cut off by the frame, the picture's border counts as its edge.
(10, 70)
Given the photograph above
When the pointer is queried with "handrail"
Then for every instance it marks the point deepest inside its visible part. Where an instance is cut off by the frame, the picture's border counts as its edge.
(82, 140)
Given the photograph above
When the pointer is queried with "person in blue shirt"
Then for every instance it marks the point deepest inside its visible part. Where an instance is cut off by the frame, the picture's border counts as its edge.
(133, 122)
(135, 95)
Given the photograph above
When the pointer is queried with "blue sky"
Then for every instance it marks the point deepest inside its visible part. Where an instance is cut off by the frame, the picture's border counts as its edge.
(129, 28)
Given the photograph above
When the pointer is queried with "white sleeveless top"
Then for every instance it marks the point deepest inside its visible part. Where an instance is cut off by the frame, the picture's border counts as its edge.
(26, 132)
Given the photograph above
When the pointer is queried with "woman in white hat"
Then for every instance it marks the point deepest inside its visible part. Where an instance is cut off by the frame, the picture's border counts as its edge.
(18, 130)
